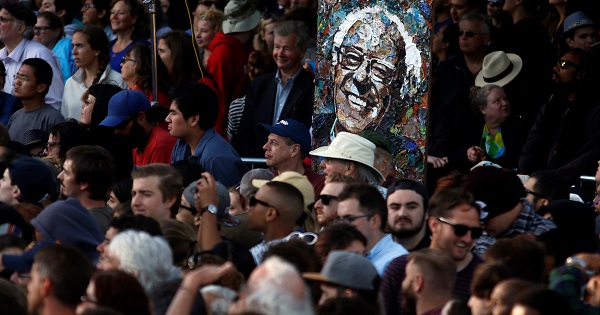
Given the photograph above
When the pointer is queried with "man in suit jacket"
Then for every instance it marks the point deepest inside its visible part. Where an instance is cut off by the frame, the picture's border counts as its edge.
(286, 93)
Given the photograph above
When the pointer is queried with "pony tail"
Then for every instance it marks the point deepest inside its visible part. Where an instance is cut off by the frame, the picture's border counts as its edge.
(103, 63)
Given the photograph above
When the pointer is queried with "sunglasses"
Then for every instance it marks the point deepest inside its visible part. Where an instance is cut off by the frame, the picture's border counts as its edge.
(351, 218)
(326, 199)
(564, 64)
(461, 230)
(309, 238)
(190, 209)
(253, 202)
(534, 193)
(469, 34)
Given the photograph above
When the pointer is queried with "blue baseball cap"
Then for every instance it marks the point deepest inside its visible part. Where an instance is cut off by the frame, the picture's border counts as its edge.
(24, 261)
(293, 129)
(123, 104)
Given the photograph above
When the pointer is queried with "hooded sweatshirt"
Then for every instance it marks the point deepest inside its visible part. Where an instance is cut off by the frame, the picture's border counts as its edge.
(69, 223)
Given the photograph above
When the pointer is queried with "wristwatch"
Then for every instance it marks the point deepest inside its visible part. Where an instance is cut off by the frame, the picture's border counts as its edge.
(579, 263)
(210, 208)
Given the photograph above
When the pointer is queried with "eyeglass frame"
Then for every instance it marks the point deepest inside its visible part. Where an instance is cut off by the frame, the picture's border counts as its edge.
(21, 78)
(564, 64)
(124, 59)
(476, 232)
(300, 236)
(253, 201)
(351, 218)
(88, 6)
(326, 199)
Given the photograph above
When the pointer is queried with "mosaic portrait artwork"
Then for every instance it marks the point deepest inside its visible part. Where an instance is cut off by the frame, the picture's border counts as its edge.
(373, 60)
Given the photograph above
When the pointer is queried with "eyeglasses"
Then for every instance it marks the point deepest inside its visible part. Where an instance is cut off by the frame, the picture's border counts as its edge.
(89, 6)
(351, 58)
(495, 3)
(534, 194)
(352, 218)
(309, 238)
(326, 199)
(190, 209)
(253, 202)
(88, 299)
(41, 29)
(125, 59)
(21, 78)
(23, 275)
(4, 20)
(564, 64)
(469, 34)
(461, 230)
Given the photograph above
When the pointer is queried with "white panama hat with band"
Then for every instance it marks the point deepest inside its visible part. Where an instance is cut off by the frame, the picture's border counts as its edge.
(499, 68)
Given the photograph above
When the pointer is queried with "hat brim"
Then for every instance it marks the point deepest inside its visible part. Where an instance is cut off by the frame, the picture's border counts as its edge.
(257, 183)
(517, 63)
(315, 276)
(236, 25)
(325, 152)
(112, 121)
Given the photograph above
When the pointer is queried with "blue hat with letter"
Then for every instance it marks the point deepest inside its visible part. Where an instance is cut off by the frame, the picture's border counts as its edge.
(293, 129)
(123, 104)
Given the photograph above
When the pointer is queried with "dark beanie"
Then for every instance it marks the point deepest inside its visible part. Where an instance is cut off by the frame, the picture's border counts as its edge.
(33, 178)
(498, 188)
(20, 11)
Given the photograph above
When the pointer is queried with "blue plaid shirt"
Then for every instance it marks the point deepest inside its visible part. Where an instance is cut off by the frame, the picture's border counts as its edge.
(528, 222)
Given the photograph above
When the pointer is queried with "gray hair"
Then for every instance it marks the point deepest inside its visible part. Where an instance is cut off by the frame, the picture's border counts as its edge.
(474, 16)
(147, 257)
(246, 188)
(480, 95)
(366, 174)
(288, 28)
(224, 297)
(280, 290)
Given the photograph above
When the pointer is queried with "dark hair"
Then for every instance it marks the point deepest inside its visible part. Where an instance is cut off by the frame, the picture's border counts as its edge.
(409, 184)
(551, 185)
(523, 258)
(71, 134)
(54, 22)
(14, 301)
(259, 64)
(143, 68)
(485, 278)
(141, 27)
(342, 305)
(450, 36)
(70, 8)
(122, 189)
(137, 223)
(337, 236)
(120, 291)
(544, 301)
(68, 269)
(183, 53)
(370, 200)
(103, 5)
(98, 41)
(42, 72)
(103, 93)
(443, 201)
(93, 165)
(187, 103)
(181, 238)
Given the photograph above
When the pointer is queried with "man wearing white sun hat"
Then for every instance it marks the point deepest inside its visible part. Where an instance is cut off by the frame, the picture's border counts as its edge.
(351, 155)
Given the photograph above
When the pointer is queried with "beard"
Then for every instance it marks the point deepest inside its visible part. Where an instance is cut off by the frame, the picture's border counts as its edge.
(567, 87)
(408, 232)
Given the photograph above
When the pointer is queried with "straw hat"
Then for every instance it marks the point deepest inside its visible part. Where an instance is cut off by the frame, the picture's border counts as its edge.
(499, 68)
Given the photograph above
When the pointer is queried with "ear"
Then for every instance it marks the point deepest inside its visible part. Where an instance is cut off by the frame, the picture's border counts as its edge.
(350, 168)
(545, 202)
(16, 193)
(569, 42)
(294, 150)
(348, 293)
(376, 221)
(101, 14)
(41, 87)
(61, 13)
(271, 215)
(170, 202)
(141, 118)
(45, 287)
(580, 75)
(194, 120)
(419, 283)
(83, 186)
(433, 224)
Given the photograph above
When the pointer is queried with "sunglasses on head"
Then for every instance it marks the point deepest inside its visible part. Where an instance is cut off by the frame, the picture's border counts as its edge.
(461, 230)
(309, 238)
(469, 34)
(563, 64)
(326, 199)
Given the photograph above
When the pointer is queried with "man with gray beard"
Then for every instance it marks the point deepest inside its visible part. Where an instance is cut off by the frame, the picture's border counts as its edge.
(407, 214)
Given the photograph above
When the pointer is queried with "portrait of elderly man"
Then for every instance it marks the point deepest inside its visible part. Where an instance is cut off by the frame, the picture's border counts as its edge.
(369, 60)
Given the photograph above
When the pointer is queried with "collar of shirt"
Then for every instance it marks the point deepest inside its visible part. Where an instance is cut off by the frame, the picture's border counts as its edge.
(288, 81)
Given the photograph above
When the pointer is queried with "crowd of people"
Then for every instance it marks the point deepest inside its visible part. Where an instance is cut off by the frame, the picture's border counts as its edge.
(121, 194)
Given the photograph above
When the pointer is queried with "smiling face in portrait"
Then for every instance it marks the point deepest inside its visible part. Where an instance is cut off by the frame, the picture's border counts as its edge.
(366, 71)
